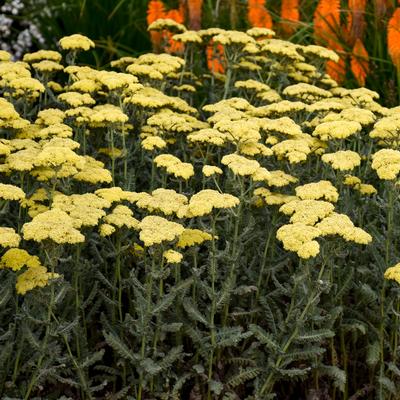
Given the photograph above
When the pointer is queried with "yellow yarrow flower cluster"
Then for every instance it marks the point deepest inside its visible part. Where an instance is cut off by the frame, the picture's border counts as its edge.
(299, 237)
(85, 209)
(294, 150)
(209, 170)
(11, 192)
(318, 190)
(307, 212)
(166, 201)
(386, 163)
(34, 276)
(240, 165)
(337, 130)
(155, 230)
(122, 216)
(55, 225)
(192, 237)
(153, 142)
(203, 203)
(343, 160)
(174, 166)
(393, 273)
(76, 42)
(341, 224)
(172, 256)
(8, 237)
(272, 198)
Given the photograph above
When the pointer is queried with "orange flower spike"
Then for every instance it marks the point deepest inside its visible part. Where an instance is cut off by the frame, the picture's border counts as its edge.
(215, 56)
(194, 9)
(393, 38)
(178, 16)
(258, 15)
(290, 15)
(359, 62)
(326, 21)
(337, 70)
(155, 10)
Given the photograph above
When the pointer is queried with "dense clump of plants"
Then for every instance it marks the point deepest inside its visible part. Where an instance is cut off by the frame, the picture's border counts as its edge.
(172, 232)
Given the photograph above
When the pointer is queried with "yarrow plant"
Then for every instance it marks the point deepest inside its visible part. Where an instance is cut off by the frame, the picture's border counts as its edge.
(168, 231)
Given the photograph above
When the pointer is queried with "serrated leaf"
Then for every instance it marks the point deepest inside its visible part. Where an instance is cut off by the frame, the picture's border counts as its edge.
(89, 361)
(120, 347)
(243, 376)
(316, 336)
(264, 337)
(193, 312)
(294, 372)
(150, 366)
(337, 374)
(174, 354)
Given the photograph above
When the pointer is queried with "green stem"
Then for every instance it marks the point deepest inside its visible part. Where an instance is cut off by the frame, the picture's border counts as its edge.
(268, 385)
(388, 248)
(213, 272)
(50, 307)
(149, 290)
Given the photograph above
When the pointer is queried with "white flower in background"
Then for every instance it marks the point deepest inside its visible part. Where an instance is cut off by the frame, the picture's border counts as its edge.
(27, 32)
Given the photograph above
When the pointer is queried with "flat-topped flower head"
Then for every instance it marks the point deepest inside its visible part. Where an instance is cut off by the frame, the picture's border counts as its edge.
(203, 203)
(393, 273)
(76, 99)
(76, 42)
(257, 32)
(240, 165)
(306, 91)
(151, 143)
(343, 160)
(85, 209)
(5, 56)
(107, 114)
(166, 23)
(192, 237)
(11, 192)
(386, 163)
(322, 190)
(314, 51)
(8, 237)
(122, 216)
(188, 37)
(155, 230)
(341, 224)
(55, 225)
(307, 212)
(299, 237)
(34, 277)
(172, 256)
(295, 150)
(47, 66)
(92, 171)
(209, 136)
(273, 198)
(209, 170)
(16, 259)
(337, 130)
(166, 201)
(40, 55)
